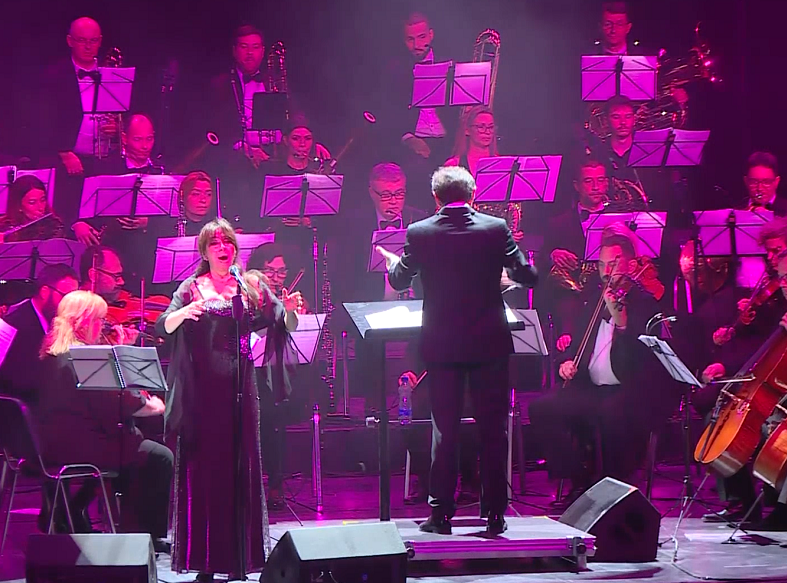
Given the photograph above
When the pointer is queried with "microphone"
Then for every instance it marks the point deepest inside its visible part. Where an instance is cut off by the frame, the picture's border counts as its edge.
(235, 272)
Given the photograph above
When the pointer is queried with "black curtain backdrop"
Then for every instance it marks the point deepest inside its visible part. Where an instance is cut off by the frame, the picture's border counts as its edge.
(337, 49)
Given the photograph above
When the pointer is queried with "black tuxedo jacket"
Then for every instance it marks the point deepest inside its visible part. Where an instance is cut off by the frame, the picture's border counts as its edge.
(460, 254)
(19, 371)
(223, 117)
(351, 237)
(60, 110)
(632, 362)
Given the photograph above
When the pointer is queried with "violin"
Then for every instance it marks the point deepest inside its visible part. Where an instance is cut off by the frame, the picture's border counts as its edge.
(763, 292)
(129, 310)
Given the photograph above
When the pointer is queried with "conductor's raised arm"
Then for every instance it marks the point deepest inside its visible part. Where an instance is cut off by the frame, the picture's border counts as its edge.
(516, 266)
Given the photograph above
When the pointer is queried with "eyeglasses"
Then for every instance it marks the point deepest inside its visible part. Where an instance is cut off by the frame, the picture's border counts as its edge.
(608, 25)
(767, 182)
(118, 277)
(80, 40)
(270, 271)
(483, 128)
(386, 195)
(54, 289)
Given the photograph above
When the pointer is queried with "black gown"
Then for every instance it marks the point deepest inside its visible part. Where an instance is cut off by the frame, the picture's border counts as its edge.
(200, 412)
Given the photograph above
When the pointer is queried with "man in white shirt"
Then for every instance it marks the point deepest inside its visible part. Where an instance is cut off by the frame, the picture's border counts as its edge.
(617, 386)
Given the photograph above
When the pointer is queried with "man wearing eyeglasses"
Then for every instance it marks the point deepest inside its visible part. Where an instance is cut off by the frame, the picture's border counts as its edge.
(101, 271)
(30, 321)
(762, 182)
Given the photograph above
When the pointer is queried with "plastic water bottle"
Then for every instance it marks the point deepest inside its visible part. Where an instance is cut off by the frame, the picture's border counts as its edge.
(405, 400)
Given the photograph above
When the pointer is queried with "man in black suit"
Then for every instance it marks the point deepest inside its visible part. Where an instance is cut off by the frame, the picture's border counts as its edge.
(31, 319)
(762, 183)
(423, 136)
(617, 388)
(460, 255)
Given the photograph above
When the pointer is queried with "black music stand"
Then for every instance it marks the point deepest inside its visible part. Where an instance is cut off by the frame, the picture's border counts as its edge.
(517, 178)
(669, 147)
(378, 323)
(392, 240)
(605, 76)
(25, 259)
(648, 228)
(269, 114)
(117, 368)
(110, 91)
(680, 373)
(178, 257)
(307, 195)
(449, 83)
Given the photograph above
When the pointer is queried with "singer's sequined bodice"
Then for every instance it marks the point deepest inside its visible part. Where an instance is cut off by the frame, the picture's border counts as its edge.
(212, 339)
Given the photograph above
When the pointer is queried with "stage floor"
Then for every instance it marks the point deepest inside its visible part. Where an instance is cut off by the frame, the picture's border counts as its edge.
(701, 554)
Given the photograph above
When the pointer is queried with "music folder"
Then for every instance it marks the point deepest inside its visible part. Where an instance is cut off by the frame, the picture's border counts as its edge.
(667, 147)
(25, 259)
(138, 195)
(302, 195)
(667, 357)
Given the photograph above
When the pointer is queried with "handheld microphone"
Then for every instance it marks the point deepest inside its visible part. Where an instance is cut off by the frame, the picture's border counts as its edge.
(235, 272)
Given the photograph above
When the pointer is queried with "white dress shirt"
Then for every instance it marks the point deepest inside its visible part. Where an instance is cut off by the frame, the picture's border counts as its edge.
(600, 365)
(250, 89)
(86, 141)
(428, 124)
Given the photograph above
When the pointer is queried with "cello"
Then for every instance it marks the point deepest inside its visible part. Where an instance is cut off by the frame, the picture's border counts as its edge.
(734, 433)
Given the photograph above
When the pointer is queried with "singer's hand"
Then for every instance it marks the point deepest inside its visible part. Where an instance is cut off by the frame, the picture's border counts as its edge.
(194, 310)
(713, 371)
(391, 259)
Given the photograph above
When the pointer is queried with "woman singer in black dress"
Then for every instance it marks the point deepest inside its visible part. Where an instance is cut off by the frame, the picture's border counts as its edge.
(201, 406)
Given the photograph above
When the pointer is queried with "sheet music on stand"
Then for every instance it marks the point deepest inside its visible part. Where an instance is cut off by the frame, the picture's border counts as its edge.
(178, 257)
(605, 76)
(25, 259)
(449, 83)
(714, 229)
(667, 147)
(138, 195)
(670, 360)
(529, 341)
(8, 174)
(391, 240)
(7, 335)
(304, 195)
(111, 93)
(648, 228)
(517, 178)
(111, 368)
(306, 339)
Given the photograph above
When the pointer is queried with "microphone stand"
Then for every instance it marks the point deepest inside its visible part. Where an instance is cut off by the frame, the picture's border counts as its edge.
(238, 313)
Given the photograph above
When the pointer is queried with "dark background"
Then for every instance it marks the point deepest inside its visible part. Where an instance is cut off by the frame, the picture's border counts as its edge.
(337, 49)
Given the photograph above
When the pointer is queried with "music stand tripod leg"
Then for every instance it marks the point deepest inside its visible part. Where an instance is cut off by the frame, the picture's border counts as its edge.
(385, 460)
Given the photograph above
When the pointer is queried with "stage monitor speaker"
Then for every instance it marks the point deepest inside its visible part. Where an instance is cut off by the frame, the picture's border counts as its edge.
(624, 522)
(351, 553)
(90, 558)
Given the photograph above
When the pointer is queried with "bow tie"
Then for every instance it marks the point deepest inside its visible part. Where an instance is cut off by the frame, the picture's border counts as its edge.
(395, 223)
(95, 75)
(257, 77)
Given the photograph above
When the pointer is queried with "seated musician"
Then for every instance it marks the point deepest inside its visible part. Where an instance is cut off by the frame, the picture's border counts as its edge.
(616, 387)
(82, 426)
(476, 139)
(762, 183)
(32, 319)
(281, 268)
(734, 346)
(101, 272)
(564, 243)
(28, 214)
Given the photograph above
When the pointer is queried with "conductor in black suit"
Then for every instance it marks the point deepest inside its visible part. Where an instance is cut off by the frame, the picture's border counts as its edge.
(460, 255)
